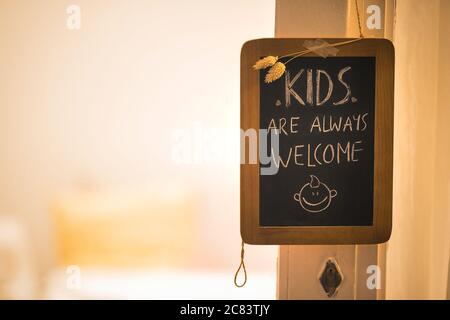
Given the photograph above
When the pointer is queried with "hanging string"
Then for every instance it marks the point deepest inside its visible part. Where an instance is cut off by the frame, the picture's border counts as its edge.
(303, 52)
(359, 20)
(241, 266)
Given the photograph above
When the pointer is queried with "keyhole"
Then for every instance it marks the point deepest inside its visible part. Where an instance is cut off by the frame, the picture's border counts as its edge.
(331, 278)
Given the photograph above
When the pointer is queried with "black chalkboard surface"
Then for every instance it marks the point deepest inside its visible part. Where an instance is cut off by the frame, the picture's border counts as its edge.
(324, 111)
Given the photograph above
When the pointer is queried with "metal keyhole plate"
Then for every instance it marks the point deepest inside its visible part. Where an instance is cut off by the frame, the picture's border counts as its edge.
(330, 278)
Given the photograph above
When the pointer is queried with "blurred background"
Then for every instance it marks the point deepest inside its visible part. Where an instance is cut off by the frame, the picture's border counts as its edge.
(119, 145)
(119, 161)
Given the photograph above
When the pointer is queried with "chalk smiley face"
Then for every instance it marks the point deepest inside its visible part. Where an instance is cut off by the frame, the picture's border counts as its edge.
(315, 196)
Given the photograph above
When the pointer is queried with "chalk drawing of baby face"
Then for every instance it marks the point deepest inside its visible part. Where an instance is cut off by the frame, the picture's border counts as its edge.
(315, 196)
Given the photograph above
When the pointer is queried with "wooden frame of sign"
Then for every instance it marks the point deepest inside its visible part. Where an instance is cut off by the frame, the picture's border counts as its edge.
(273, 230)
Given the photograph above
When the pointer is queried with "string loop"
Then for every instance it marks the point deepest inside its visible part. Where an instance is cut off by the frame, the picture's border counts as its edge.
(241, 266)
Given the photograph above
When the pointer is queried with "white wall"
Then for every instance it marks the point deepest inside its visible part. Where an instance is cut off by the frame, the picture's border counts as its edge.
(99, 105)
(419, 247)
(440, 242)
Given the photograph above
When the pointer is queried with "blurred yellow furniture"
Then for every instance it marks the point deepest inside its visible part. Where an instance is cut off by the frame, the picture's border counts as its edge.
(142, 226)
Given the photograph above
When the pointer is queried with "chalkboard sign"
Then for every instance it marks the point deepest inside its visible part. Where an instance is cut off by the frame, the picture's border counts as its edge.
(325, 135)
(324, 113)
